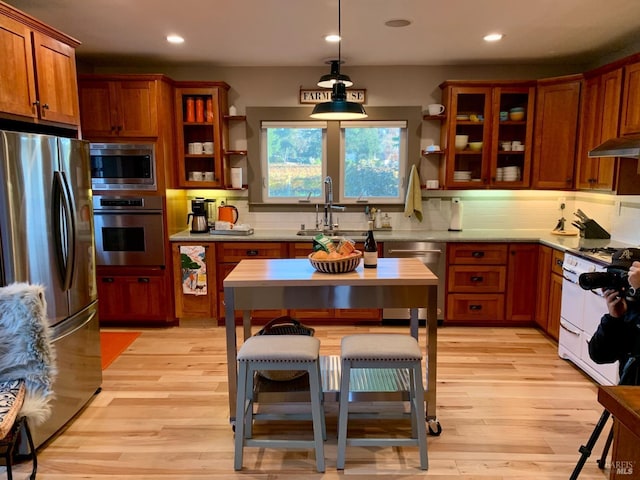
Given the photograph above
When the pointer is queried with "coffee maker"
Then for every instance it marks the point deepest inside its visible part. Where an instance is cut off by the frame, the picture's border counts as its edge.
(198, 216)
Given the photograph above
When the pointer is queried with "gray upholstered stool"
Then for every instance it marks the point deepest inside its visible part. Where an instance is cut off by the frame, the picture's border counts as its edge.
(386, 351)
(278, 352)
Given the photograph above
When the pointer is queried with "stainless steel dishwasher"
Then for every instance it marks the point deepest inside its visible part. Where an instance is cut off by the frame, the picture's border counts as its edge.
(433, 255)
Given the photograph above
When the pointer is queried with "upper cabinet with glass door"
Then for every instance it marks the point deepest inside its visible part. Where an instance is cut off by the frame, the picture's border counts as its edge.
(487, 134)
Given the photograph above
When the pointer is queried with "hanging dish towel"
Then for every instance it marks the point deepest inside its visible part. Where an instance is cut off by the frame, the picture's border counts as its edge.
(194, 270)
(413, 202)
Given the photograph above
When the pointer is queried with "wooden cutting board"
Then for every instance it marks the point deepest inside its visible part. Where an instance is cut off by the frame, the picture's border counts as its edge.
(564, 233)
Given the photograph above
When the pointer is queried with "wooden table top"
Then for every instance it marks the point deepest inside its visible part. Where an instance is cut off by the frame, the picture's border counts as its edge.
(299, 272)
(623, 402)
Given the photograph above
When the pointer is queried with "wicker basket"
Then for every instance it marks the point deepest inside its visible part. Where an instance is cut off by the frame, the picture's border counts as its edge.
(340, 265)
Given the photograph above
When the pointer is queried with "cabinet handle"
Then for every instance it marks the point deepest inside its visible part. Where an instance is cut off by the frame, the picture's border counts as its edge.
(36, 103)
(477, 278)
(252, 253)
(45, 106)
(143, 279)
(477, 254)
(475, 307)
(559, 262)
(107, 280)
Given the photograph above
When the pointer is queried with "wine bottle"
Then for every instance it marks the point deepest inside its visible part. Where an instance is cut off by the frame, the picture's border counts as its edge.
(370, 249)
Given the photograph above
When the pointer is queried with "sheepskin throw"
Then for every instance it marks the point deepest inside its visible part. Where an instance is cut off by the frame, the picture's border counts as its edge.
(26, 351)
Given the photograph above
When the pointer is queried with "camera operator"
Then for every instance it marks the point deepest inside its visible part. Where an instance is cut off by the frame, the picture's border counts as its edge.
(618, 335)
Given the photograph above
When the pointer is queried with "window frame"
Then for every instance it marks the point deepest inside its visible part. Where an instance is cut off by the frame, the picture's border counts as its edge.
(256, 115)
(403, 167)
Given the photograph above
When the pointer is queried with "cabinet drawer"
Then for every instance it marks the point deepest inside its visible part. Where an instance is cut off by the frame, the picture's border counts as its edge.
(556, 261)
(471, 278)
(486, 307)
(477, 253)
(236, 251)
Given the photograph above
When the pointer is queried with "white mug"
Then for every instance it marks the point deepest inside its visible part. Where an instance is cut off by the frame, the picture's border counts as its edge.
(196, 176)
(195, 148)
(435, 109)
(208, 176)
(207, 147)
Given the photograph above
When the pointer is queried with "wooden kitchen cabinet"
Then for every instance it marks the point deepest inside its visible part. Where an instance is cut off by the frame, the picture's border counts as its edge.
(118, 107)
(522, 285)
(229, 254)
(556, 127)
(134, 296)
(476, 279)
(195, 306)
(37, 71)
(464, 102)
(630, 116)
(200, 109)
(599, 120)
(491, 283)
(549, 293)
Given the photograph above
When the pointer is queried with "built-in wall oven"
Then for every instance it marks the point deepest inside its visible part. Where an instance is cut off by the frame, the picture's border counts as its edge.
(123, 166)
(129, 230)
(433, 255)
(581, 311)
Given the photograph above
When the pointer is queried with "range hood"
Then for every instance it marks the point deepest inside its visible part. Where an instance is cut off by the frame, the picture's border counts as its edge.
(618, 147)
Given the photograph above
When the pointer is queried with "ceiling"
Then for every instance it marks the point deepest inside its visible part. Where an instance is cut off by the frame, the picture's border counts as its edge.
(291, 32)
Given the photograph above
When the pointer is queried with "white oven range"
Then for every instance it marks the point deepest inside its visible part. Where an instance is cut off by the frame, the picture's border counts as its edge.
(580, 312)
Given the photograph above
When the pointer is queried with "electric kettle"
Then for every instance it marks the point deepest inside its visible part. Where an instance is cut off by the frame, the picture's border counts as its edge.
(228, 213)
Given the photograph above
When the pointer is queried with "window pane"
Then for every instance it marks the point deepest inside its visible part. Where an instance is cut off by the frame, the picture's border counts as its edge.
(294, 162)
(372, 162)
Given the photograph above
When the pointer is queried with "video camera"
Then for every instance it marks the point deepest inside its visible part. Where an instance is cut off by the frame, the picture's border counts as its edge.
(617, 275)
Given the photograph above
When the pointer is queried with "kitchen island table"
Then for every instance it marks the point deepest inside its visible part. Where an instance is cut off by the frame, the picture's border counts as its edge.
(294, 283)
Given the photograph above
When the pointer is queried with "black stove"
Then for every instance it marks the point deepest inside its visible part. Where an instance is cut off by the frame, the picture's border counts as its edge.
(601, 254)
(599, 250)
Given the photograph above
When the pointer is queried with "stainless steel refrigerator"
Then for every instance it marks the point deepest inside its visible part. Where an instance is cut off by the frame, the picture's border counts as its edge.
(46, 237)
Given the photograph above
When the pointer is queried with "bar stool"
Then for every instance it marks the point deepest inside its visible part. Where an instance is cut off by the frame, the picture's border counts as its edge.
(278, 352)
(383, 351)
(12, 394)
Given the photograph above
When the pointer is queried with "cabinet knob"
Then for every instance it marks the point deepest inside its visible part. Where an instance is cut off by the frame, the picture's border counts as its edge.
(107, 280)
(477, 254)
(36, 103)
(252, 253)
(143, 280)
(477, 278)
(475, 307)
(45, 106)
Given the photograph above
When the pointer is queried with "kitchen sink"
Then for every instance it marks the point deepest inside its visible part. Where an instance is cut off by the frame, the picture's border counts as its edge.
(333, 233)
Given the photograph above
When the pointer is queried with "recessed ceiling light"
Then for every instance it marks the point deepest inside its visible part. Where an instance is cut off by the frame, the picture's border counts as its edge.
(493, 37)
(175, 39)
(333, 38)
(399, 22)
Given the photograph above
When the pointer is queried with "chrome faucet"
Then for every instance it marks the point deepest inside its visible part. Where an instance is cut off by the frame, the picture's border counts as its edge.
(329, 207)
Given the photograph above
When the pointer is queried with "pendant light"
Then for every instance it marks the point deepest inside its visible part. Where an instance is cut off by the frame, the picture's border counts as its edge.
(339, 108)
(328, 80)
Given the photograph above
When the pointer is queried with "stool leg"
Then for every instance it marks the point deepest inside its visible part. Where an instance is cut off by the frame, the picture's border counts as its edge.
(412, 395)
(343, 413)
(418, 408)
(240, 415)
(317, 414)
(248, 418)
(324, 423)
(32, 449)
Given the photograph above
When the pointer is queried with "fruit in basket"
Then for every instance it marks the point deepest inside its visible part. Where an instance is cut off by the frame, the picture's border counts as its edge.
(320, 255)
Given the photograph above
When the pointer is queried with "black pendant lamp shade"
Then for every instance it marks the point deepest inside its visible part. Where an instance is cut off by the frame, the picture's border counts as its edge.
(328, 80)
(339, 108)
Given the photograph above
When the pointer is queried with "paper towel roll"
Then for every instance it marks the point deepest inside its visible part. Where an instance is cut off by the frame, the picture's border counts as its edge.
(236, 178)
(456, 215)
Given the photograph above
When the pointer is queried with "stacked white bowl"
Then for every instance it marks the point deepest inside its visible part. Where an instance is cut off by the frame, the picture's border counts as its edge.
(461, 176)
(511, 174)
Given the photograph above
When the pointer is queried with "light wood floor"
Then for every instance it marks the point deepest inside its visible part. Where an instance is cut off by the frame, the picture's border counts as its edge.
(509, 408)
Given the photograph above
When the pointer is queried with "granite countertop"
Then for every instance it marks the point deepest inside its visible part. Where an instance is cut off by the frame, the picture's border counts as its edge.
(542, 236)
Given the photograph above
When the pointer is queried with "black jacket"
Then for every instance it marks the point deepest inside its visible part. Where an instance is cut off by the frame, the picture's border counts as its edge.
(619, 339)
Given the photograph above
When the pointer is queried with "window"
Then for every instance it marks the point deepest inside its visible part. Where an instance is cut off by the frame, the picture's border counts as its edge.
(293, 160)
(289, 155)
(373, 156)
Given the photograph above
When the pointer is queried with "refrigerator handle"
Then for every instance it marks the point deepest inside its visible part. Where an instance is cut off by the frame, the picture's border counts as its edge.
(63, 217)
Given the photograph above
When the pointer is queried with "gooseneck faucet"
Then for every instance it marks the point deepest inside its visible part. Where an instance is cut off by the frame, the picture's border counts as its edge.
(328, 203)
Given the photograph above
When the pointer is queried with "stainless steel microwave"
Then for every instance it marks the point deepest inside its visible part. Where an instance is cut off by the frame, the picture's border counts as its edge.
(122, 166)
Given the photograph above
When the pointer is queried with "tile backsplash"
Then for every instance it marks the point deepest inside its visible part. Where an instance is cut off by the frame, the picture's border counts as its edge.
(490, 209)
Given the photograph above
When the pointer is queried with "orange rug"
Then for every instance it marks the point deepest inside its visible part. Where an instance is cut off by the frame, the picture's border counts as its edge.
(112, 344)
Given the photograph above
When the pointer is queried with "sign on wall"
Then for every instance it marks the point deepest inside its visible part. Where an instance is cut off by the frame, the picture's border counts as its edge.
(321, 95)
